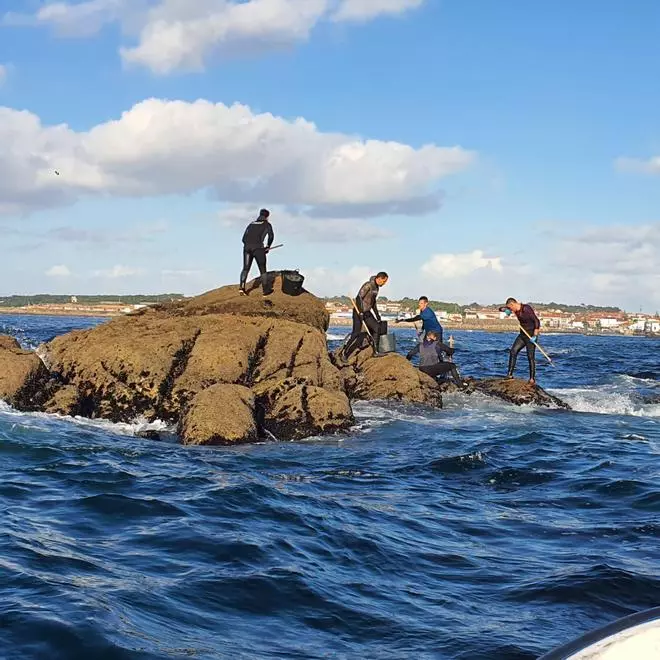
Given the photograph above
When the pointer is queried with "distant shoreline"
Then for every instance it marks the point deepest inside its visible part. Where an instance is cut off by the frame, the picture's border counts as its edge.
(43, 311)
(503, 326)
(494, 326)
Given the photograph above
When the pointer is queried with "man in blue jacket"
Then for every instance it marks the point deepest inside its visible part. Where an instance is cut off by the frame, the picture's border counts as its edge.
(428, 318)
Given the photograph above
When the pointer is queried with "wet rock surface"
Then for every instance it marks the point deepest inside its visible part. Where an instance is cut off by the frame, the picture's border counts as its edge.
(511, 390)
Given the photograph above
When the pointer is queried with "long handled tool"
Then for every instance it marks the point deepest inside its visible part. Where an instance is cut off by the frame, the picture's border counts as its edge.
(539, 347)
(366, 327)
(275, 247)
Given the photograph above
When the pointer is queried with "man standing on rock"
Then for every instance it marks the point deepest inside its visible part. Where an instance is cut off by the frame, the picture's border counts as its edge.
(530, 327)
(428, 318)
(366, 311)
(253, 249)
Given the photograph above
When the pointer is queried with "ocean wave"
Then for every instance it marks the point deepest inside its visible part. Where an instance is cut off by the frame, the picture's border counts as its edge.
(606, 401)
(333, 336)
(41, 420)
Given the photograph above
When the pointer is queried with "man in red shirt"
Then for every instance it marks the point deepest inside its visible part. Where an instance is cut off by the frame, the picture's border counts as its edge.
(531, 325)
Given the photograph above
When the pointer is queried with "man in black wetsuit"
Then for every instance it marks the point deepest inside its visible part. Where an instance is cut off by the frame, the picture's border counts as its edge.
(253, 249)
(530, 323)
(367, 311)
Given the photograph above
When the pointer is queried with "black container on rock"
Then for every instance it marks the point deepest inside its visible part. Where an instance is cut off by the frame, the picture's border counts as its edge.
(387, 343)
(292, 282)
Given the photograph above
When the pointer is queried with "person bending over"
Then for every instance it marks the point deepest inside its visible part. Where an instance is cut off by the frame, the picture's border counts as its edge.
(428, 318)
(529, 323)
(431, 362)
(367, 311)
(254, 250)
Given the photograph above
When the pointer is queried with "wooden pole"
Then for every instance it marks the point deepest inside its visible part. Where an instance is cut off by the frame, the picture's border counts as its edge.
(539, 347)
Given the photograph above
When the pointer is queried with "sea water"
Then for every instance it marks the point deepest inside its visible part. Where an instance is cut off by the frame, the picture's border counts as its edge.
(482, 530)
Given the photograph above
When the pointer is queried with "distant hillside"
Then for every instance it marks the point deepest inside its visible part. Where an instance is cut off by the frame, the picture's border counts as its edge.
(49, 299)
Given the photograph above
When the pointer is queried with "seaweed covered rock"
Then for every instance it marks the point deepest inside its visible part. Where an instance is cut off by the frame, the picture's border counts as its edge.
(389, 376)
(294, 409)
(393, 377)
(23, 376)
(220, 415)
(511, 390)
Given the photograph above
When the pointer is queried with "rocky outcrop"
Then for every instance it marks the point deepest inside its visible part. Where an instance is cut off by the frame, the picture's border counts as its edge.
(222, 368)
(388, 376)
(393, 377)
(23, 376)
(220, 415)
(517, 392)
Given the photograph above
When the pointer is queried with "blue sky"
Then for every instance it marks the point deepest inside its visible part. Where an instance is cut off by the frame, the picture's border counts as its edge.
(472, 149)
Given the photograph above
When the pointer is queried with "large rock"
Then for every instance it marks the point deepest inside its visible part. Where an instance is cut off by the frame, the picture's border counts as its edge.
(23, 376)
(222, 368)
(511, 390)
(154, 365)
(220, 415)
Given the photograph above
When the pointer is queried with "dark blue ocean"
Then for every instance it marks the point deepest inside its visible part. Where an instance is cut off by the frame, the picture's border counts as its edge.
(478, 531)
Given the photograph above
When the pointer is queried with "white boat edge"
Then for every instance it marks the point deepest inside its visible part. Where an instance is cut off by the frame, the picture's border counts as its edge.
(633, 637)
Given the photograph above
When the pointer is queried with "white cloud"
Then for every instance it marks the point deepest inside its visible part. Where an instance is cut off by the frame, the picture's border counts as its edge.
(82, 19)
(58, 271)
(185, 34)
(449, 266)
(309, 229)
(329, 282)
(118, 271)
(616, 263)
(4, 72)
(365, 10)
(178, 34)
(163, 147)
(649, 166)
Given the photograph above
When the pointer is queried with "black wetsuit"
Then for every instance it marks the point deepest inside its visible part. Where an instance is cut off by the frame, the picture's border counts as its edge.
(530, 322)
(254, 250)
(431, 360)
(366, 304)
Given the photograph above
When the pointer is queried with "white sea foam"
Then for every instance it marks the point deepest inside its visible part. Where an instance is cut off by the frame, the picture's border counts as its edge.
(41, 420)
(607, 400)
(332, 336)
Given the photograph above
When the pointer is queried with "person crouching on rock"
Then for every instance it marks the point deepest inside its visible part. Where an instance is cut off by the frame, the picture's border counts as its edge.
(366, 312)
(530, 327)
(253, 249)
(431, 358)
(428, 318)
